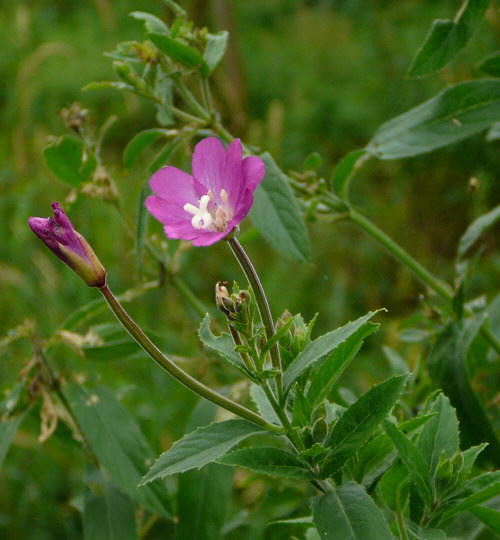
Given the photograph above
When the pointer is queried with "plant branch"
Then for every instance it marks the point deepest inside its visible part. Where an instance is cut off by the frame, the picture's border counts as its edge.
(187, 380)
(263, 305)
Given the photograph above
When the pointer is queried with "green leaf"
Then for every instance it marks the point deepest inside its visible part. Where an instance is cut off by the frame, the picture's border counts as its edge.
(264, 407)
(64, 158)
(448, 368)
(223, 345)
(138, 143)
(336, 363)
(475, 491)
(271, 461)
(476, 229)
(203, 498)
(491, 64)
(9, 424)
(412, 457)
(349, 513)
(117, 442)
(440, 433)
(344, 171)
(321, 347)
(115, 85)
(200, 447)
(108, 514)
(215, 49)
(446, 38)
(277, 216)
(152, 23)
(179, 52)
(452, 115)
(394, 487)
(359, 422)
(489, 516)
(312, 161)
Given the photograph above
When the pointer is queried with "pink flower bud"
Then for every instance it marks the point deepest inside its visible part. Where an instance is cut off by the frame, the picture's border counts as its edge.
(58, 234)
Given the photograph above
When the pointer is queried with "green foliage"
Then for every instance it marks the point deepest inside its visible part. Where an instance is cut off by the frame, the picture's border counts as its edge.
(447, 37)
(385, 463)
(276, 214)
(455, 113)
(200, 447)
(349, 512)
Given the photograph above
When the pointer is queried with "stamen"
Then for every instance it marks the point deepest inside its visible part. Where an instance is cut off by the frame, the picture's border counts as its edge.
(224, 196)
(208, 215)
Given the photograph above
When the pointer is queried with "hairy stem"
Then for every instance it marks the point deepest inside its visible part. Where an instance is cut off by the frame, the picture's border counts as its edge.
(163, 361)
(263, 305)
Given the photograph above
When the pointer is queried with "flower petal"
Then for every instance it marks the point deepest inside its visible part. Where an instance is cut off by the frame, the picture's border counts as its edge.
(209, 159)
(175, 186)
(208, 238)
(254, 171)
(166, 212)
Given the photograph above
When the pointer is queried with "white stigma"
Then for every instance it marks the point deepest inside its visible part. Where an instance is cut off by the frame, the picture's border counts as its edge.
(209, 215)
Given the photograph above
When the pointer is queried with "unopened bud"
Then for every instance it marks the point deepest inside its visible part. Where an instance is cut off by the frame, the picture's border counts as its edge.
(222, 297)
(59, 235)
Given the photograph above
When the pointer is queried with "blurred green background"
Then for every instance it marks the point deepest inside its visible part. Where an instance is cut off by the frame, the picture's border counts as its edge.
(299, 76)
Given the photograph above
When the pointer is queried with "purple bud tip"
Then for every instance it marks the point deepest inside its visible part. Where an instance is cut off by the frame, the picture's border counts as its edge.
(59, 235)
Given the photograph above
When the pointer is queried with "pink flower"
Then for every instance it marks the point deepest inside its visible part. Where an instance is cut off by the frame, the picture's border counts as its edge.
(59, 235)
(205, 207)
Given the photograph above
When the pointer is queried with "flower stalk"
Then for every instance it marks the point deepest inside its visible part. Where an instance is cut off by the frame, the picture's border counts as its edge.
(263, 306)
(187, 380)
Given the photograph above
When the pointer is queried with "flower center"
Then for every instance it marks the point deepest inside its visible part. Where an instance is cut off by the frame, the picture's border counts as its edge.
(210, 215)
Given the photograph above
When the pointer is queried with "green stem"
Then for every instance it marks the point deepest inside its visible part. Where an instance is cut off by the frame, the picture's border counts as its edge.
(401, 255)
(263, 305)
(190, 100)
(186, 116)
(400, 520)
(187, 380)
(442, 289)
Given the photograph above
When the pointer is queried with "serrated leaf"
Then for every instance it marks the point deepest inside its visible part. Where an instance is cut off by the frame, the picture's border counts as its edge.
(447, 37)
(359, 422)
(277, 216)
(321, 347)
(215, 49)
(64, 158)
(117, 442)
(271, 461)
(336, 363)
(452, 115)
(440, 433)
(263, 406)
(349, 513)
(344, 171)
(223, 345)
(476, 229)
(138, 143)
(151, 22)
(108, 515)
(200, 447)
(180, 52)
(412, 457)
